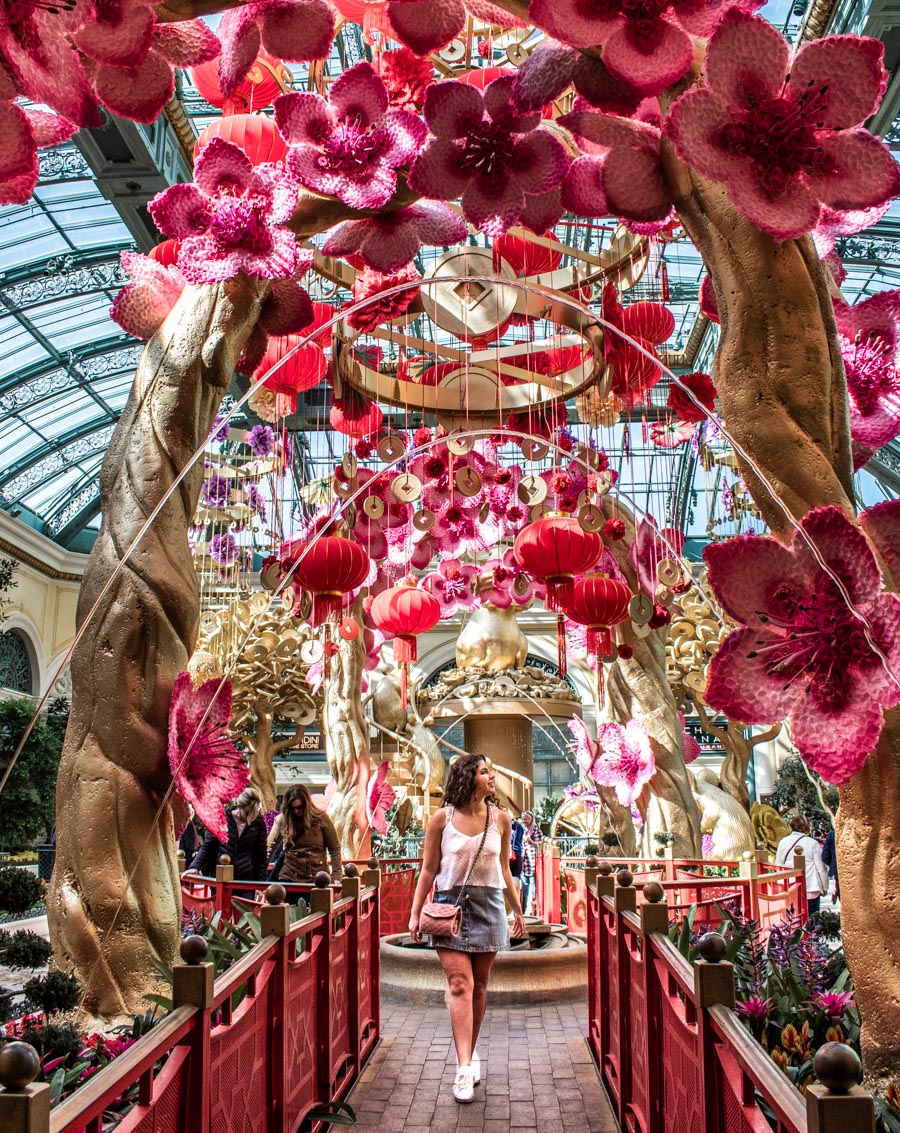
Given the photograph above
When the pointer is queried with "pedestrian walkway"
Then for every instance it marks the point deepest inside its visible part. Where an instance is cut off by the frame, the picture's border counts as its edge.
(537, 1075)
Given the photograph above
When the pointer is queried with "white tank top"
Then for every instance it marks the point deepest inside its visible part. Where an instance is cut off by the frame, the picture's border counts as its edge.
(458, 851)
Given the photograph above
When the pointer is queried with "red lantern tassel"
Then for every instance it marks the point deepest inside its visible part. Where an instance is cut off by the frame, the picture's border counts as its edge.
(404, 685)
(326, 654)
(599, 641)
(560, 592)
(325, 603)
(599, 682)
(405, 648)
(561, 643)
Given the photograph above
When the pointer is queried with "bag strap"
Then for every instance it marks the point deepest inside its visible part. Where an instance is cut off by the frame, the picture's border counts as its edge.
(487, 823)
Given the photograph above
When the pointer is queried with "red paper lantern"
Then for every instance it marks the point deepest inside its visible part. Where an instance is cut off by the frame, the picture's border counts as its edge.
(330, 567)
(405, 611)
(165, 253)
(553, 550)
(599, 603)
(300, 372)
(257, 136)
(525, 257)
(354, 415)
(267, 78)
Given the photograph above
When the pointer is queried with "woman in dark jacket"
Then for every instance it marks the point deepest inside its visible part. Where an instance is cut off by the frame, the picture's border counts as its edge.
(246, 844)
(308, 836)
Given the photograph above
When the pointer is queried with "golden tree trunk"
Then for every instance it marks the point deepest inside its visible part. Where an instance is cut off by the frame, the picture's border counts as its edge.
(114, 903)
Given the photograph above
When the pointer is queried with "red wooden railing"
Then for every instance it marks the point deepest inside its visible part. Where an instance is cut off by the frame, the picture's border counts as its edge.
(298, 1037)
(673, 1055)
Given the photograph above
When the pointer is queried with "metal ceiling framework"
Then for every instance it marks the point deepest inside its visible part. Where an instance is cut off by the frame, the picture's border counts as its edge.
(66, 368)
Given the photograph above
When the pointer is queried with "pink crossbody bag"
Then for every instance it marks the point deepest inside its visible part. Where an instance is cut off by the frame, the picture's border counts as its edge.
(446, 920)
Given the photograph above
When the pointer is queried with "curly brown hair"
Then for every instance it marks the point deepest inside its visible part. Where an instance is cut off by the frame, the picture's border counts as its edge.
(297, 825)
(460, 788)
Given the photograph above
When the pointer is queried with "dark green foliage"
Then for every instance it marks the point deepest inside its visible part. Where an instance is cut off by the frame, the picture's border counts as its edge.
(58, 714)
(6, 1004)
(57, 991)
(29, 797)
(611, 840)
(7, 583)
(828, 922)
(57, 1039)
(795, 794)
(545, 810)
(20, 889)
(23, 949)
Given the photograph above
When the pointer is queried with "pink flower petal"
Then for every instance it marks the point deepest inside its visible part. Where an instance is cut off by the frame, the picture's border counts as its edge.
(542, 211)
(544, 75)
(303, 163)
(572, 22)
(792, 213)
(50, 71)
(359, 93)
(239, 35)
(634, 186)
(540, 162)
(490, 14)
(739, 684)
(598, 133)
(843, 547)
(222, 166)
(745, 572)
(180, 211)
(747, 59)
(693, 124)
(186, 44)
(138, 93)
(17, 190)
(17, 142)
(407, 133)
(120, 33)
(493, 206)
(863, 173)
(302, 118)
(287, 310)
(49, 129)
(437, 224)
(389, 255)
(701, 17)
(582, 191)
(201, 263)
(373, 190)
(651, 71)
(298, 30)
(426, 25)
(850, 73)
(436, 171)
(834, 740)
(141, 306)
(708, 302)
(500, 105)
(596, 83)
(453, 109)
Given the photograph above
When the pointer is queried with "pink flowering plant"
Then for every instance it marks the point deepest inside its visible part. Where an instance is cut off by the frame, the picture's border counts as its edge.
(624, 760)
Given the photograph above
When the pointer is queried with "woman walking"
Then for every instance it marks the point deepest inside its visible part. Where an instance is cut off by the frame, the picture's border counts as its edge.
(246, 843)
(466, 859)
(308, 837)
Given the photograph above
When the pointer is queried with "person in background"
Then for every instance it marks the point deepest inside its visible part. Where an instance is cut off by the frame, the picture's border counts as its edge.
(829, 858)
(309, 839)
(245, 845)
(191, 839)
(516, 842)
(816, 873)
(531, 845)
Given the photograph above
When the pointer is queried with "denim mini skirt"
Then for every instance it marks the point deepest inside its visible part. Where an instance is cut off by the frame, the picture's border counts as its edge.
(484, 925)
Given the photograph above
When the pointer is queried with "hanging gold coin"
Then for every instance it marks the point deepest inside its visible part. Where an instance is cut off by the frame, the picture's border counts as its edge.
(668, 572)
(664, 596)
(423, 520)
(406, 488)
(349, 516)
(604, 483)
(532, 449)
(640, 629)
(585, 499)
(373, 507)
(696, 682)
(454, 52)
(468, 481)
(641, 609)
(516, 54)
(538, 512)
(590, 518)
(269, 575)
(391, 448)
(311, 651)
(349, 465)
(532, 490)
(344, 488)
(485, 512)
(522, 585)
(288, 597)
(303, 606)
(459, 446)
(608, 658)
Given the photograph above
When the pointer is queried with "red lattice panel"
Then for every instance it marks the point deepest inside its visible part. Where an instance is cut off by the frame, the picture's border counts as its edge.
(637, 1109)
(301, 1004)
(397, 890)
(612, 1068)
(576, 915)
(239, 1077)
(739, 1118)
(166, 1112)
(341, 1047)
(368, 1024)
(682, 1101)
(199, 901)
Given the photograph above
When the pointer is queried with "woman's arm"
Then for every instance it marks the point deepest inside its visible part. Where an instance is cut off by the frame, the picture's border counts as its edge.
(276, 837)
(510, 892)
(209, 849)
(431, 865)
(333, 846)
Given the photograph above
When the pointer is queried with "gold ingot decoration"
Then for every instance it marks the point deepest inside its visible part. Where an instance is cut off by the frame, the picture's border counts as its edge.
(391, 448)
(423, 520)
(406, 488)
(373, 506)
(696, 631)
(468, 481)
(532, 490)
(349, 465)
(533, 450)
(590, 518)
(640, 608)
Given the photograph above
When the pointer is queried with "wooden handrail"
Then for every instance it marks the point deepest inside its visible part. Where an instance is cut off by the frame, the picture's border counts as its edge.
(681, 970)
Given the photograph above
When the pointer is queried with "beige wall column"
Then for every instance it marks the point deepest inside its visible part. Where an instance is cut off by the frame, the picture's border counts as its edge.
(506, 741)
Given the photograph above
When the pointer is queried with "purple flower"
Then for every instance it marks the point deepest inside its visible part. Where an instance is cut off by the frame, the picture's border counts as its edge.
(220, 430)
(223, 549)
(256, 501)
(351, 144)
(261, 440)
(227, 220)
(216, 491)
(800, 652)
(484, 150)
(452, 584)
(625, 761)
(388, 242)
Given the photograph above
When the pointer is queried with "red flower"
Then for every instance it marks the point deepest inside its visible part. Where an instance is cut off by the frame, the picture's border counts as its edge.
(701, 386)
(368, 284)
(614, 529)
(406, 77)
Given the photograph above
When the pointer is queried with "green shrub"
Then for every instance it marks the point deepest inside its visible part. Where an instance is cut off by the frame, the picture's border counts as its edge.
(19, 890)
(24, 949)
(56, 1039)
(7, 995)
(55, 992)
(29, 796)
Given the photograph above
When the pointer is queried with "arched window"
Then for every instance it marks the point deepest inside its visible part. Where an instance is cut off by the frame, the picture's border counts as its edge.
(16, 671)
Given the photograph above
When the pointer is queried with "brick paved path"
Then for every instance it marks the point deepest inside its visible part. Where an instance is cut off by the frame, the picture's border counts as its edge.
(537, 1075)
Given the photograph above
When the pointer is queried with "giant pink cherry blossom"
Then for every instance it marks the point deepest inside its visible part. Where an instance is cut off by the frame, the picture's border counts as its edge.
(625, 759)
(23, 132)
(294, 30)
(645, 42)
(870, 345)
(552, 67)
(783, 132)
(453, 585)
(800, 652)
(351, 144)
(428, 25)
(389, 241)
(487, 152)
(227, 220)
(207, 767)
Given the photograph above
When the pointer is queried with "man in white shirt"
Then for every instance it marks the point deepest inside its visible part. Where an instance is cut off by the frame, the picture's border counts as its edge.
(816, 873)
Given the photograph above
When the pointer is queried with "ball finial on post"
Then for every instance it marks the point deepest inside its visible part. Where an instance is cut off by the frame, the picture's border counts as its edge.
(19, 1065)
(193, 950)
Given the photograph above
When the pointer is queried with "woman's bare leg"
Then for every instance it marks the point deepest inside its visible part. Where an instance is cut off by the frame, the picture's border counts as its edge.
(458, 970)
(482, 962)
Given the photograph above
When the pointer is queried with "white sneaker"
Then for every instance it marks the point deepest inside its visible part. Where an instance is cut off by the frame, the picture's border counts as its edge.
(476, 1066)
(464, 1085)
